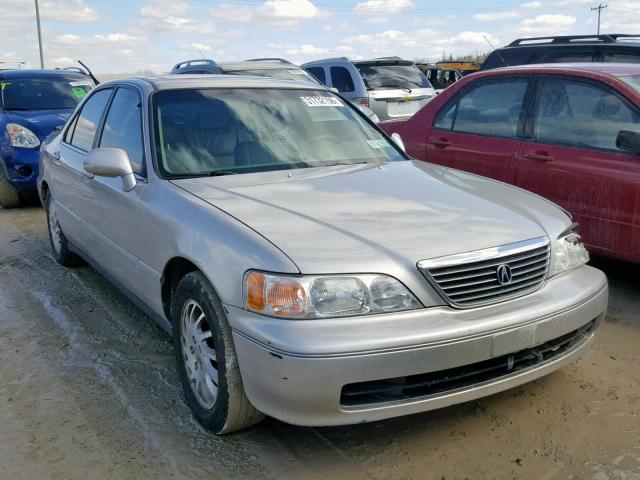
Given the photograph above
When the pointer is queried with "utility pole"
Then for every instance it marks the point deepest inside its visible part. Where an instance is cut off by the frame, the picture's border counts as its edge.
(39, 35)
(599, 8)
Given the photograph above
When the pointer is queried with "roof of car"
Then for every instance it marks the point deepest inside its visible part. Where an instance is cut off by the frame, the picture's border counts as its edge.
(575, 41)
(612, 69)
(40, 73)
(255, 65)
(173, 82)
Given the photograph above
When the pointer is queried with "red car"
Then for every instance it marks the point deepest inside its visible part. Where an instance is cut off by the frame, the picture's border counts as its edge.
(568, 132)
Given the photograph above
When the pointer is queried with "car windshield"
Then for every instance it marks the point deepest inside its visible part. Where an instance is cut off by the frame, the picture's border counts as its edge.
(632, 80)
(43, 93)
(282, 73)
(229, 131)
(378, 77)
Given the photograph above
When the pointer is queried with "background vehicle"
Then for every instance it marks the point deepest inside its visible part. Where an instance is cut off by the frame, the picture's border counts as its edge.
(391, 87)
(570, 133)
(32, 104)
(202, 240)
(261, 67)
(464, 67)
(196, 66)
(613, 47)
(440, 78)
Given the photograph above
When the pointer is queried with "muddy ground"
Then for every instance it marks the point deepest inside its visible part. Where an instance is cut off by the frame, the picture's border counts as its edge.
(89, 390)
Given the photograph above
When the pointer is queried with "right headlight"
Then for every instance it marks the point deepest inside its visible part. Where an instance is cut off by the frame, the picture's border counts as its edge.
(567, 252)
(321, 296)
(20, 136)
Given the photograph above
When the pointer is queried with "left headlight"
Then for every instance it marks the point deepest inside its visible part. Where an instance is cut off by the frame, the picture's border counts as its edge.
(567, 252)
(20, 136)
(320, 296)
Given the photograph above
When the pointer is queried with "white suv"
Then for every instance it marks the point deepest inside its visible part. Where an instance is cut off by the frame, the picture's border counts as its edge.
(390, 86)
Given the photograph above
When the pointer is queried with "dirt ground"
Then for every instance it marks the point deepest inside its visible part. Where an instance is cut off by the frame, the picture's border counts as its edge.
(89, 390)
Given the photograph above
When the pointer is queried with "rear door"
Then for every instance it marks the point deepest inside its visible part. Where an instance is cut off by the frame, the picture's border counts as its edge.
(571, 158)
(69, 179)
(479, 129)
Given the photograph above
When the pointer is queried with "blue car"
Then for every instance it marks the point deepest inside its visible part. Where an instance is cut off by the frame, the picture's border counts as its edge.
(33, 103)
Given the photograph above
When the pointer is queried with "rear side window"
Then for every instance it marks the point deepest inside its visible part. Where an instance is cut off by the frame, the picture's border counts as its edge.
(123, 127)
(88, 120)
(341, 79)
(622, 56)
(491, 108)
(318, 72)
(581, 114)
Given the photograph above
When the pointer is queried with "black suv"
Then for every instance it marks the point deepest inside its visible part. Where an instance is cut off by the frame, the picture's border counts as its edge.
(613, 47)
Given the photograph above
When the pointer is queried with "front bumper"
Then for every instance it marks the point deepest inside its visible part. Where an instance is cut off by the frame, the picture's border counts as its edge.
(20, 166)
(296, 370)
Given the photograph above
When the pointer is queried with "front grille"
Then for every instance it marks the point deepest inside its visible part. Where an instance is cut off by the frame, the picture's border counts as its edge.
(433, 383)
(471, 279)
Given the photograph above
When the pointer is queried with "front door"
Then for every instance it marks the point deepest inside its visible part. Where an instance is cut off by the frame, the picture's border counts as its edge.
(478, 131)
(113, 212)
(572, 159)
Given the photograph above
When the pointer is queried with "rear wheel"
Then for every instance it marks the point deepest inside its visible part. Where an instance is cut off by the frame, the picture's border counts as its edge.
(207, 362)
(59, 244)
(9, 196)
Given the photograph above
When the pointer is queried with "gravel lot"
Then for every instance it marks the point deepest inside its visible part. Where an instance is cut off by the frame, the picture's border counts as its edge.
(89, 390)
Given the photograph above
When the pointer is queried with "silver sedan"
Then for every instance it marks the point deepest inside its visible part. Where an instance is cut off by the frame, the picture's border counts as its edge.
(307, 268)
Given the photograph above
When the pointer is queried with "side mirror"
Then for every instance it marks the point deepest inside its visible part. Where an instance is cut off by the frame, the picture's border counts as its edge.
(628, 141)
(397, 139)
(111, 162)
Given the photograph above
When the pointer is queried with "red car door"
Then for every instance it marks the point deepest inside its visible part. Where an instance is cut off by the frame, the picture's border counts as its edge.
(571, 158)
(478, 129)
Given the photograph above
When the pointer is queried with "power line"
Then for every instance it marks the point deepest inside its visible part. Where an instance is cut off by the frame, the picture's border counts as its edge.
(599, 8)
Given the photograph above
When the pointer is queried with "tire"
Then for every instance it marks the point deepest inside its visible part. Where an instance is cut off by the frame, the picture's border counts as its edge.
(9, 196)
(205, 353)
(59, 243)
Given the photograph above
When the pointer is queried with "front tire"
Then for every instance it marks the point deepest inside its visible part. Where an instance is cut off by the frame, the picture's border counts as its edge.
(59, 243)
(9, 196)
(207, 362)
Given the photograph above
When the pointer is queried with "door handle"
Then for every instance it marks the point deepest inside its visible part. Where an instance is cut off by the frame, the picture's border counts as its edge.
(440, 142)
(538, 157)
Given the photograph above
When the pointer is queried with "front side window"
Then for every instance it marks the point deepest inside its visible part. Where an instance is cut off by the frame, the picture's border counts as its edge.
(491, 108)
(88, 120)
(123, 127)
(43, 93)
(581, 114)
(377, 77)
(341, 79)
(231, 131)
(567, 56)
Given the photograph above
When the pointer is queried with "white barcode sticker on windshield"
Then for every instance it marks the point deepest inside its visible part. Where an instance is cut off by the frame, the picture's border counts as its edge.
(322, 102)
(81, 83)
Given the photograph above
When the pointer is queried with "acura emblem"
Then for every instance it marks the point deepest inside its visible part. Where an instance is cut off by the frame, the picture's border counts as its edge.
(503, 272)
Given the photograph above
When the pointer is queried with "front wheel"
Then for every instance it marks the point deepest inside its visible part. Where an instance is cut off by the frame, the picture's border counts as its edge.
(207, 362)
(9, 196)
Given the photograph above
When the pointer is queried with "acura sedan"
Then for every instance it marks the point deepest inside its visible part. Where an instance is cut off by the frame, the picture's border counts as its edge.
(306, 267)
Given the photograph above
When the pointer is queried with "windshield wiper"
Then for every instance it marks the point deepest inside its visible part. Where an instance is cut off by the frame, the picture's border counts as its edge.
(336, 164)
(220, 173)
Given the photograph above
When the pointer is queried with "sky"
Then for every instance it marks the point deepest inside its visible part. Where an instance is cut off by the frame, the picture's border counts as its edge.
(116, 36)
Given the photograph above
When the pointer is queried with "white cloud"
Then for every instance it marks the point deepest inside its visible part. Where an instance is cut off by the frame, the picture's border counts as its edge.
(506, 14)
(196, 46)
(547, 24)
(278, 13)
(376, 20)
(491, 16)
(386, 7)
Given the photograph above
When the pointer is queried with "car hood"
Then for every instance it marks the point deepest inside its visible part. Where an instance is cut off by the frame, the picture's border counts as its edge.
(370, 217)
(40, 122)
